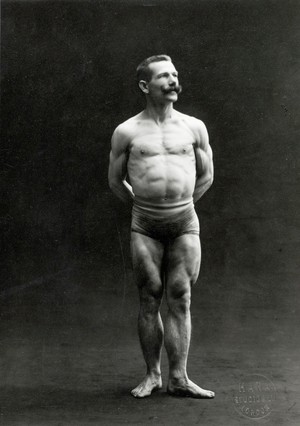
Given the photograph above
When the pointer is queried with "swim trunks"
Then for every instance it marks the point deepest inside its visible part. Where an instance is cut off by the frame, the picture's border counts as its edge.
(167, 227)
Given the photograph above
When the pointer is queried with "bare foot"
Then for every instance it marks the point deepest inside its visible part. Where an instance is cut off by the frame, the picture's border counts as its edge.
(185, 387)
(147, 386)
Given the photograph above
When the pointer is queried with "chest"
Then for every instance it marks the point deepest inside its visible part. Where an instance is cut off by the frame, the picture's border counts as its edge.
(169, 140)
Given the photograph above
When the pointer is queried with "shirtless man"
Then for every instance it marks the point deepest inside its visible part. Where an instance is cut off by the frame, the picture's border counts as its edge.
(161, 162)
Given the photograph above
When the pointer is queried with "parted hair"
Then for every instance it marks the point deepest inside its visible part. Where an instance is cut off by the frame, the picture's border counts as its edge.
(143, 71)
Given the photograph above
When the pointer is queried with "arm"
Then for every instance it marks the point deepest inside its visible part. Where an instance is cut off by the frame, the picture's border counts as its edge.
(204, 162)
(118, 166)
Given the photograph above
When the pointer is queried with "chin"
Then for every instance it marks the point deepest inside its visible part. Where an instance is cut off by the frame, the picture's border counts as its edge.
(173, 97)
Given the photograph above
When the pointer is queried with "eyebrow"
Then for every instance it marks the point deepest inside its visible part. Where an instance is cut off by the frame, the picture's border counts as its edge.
(167, 72)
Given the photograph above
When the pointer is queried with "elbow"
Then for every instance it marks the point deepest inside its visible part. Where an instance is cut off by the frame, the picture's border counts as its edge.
(210, 176)
(208, 180)
(112, 185)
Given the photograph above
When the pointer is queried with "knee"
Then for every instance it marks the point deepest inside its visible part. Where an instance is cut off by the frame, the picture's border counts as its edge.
(150, 298)
(179, 298)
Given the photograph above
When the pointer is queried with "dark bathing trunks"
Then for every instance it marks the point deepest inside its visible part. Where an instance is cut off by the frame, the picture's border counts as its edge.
(167, 227)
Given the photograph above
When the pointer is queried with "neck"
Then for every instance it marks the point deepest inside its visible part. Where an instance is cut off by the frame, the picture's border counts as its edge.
(159, 113)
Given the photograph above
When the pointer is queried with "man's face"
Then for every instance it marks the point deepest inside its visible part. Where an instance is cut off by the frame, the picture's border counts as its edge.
(164, 85)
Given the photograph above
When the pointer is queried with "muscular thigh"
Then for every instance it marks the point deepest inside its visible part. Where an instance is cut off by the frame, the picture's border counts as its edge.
(183, 260)
(147, 255)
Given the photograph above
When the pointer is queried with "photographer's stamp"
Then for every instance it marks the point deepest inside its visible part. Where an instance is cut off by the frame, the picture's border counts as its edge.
(254, 396)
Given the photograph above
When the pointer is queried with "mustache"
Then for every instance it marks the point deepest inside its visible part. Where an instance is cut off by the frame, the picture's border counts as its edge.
(177, 89)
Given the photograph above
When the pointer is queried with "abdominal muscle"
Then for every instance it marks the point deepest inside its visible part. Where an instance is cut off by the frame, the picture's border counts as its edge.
(163, 183)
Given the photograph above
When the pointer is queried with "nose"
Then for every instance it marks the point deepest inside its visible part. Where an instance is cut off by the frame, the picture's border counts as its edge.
(172, 79)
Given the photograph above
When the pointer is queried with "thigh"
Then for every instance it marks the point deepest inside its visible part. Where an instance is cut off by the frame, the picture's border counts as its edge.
(147, 255)
(183, 260)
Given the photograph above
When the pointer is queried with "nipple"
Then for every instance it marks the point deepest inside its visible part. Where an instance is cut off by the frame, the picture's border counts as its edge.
(142, 151)
(184, 150)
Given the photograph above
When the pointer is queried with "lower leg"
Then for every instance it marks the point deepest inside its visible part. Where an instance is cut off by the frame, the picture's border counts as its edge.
(177, 341)
(150, 330)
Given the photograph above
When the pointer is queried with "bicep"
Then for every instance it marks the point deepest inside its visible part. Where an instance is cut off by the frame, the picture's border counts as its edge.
(202, 136)
(118, 157)
(117, 166)
(203, 151)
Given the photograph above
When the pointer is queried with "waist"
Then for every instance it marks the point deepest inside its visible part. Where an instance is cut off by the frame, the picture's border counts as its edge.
(157, 210)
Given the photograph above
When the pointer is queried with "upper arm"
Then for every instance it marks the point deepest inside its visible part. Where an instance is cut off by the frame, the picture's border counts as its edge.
(118, 155)
(202, 137)
(202, 146)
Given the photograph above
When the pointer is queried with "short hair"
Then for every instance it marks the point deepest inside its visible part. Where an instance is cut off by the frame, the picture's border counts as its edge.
(143, 71)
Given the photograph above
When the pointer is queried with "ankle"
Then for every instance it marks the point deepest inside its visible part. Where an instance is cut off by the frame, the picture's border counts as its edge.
(154, 372)
(178, 376)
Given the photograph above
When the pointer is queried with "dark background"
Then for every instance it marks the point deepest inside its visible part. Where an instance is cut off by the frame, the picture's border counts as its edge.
(67, 80)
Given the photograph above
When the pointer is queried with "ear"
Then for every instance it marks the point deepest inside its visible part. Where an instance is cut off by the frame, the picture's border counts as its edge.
(143, 85)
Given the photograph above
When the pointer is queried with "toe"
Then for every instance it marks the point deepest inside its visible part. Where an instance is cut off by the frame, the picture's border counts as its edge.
(208, 394)
(135, 391)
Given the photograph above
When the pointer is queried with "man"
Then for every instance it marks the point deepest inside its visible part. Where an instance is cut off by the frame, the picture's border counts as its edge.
(161, 161)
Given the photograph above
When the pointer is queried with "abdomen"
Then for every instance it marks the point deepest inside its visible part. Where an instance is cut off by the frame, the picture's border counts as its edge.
(163, 178)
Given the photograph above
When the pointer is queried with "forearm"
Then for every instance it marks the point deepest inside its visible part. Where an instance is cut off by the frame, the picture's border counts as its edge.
(203, 183)
(122, 190)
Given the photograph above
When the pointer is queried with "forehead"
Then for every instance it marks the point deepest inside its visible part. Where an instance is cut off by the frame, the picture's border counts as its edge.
(161, 67)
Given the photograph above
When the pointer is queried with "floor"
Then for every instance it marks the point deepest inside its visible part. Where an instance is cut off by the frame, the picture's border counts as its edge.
(70, 354)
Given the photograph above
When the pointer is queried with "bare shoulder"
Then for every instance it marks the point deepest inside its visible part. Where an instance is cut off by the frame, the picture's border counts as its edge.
(125, 131)
(197, 127)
